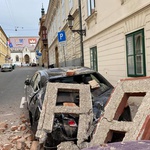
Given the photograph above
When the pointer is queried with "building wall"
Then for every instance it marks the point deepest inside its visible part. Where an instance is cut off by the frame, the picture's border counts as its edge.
(22, 46)
(4, 50)
(107, 29)
(69, 54)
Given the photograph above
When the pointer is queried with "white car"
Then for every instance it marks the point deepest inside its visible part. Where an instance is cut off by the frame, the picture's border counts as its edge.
(6, 67)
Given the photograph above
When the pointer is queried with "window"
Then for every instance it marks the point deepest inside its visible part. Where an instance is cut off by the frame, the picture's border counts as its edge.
(17, 58)
(35, 81)
(91, 6)
(136, 54)
(93, 58)
(70, 4)
(63, 10)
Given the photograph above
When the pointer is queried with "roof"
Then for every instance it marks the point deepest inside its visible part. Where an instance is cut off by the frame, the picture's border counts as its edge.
(62, 71)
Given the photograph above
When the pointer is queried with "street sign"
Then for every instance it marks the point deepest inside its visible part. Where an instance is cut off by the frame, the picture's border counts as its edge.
(61, 36)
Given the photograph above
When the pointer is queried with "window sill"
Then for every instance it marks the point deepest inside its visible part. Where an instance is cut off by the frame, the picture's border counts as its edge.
(91, 18)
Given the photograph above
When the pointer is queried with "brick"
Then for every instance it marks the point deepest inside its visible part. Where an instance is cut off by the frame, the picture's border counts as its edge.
(29, 137)
(22, 116)
(28, 144)
(3, 125)
(7, 147)
(22, 127)
(20, 145)
(70, 72)
(145, 130)
(69, 104)
(13, 128)
(14, 139)
(94, 84)
(2, 130)
(35, 145)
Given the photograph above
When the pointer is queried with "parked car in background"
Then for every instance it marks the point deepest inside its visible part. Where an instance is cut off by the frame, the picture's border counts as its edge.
(6, 67)
(33, 64)
(35, 88)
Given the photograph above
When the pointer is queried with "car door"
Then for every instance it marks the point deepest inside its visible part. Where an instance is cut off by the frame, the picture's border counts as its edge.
(33, 87)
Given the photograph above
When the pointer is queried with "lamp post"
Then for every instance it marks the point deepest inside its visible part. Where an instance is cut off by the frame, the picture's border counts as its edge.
(81, 32)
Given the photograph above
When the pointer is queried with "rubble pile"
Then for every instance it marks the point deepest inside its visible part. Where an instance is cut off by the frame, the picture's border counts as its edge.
(17, 137)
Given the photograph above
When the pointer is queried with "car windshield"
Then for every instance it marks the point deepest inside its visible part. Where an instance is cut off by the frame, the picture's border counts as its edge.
(98, 85)
(6, 65)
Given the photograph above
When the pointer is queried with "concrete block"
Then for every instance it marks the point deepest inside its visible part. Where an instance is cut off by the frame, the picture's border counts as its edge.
(139, 126)
(49, 109)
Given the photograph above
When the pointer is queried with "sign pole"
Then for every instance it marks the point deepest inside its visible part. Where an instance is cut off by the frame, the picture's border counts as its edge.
(64, 56)
(62, 42)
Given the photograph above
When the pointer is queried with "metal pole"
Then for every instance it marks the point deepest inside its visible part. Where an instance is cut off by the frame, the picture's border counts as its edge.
(81, 36)
(64, 56)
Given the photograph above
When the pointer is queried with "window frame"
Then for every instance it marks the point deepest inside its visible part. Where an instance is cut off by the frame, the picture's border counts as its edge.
(93, 58)
(90, 6)
(70, 4)
(135, 54)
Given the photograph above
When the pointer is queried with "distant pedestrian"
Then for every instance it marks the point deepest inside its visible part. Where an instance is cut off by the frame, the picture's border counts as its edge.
(43, 65)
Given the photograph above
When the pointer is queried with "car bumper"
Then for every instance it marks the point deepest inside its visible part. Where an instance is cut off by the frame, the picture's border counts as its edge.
(6, 69)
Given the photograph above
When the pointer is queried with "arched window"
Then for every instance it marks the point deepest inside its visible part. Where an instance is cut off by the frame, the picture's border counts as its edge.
(17, 58)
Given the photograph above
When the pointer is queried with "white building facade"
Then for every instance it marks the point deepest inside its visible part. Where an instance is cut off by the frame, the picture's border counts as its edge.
(117, 36)
(23, 50)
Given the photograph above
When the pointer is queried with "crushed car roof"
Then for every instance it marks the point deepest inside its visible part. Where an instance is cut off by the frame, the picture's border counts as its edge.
(63, 71)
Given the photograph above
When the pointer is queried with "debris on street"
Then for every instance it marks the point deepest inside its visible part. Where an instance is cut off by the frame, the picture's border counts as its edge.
(16, 137)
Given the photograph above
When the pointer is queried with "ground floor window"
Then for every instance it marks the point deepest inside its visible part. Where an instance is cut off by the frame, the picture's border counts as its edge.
(136, 54)
(93, 58)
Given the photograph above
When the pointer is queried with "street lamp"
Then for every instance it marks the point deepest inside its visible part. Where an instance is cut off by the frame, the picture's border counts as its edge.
(81, 32)
(70, 20)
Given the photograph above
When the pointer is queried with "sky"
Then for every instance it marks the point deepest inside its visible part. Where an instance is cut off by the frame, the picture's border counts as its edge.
(21, 17)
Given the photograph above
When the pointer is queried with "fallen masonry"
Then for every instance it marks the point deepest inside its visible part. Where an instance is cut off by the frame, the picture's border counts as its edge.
(49, 110)
(17, 137)
(109, 124)
(138, 128)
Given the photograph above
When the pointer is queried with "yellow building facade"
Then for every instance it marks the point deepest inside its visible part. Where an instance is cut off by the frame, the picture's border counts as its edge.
(4, 49)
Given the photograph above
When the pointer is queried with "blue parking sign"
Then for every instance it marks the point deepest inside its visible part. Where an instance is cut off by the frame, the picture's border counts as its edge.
(61, 36)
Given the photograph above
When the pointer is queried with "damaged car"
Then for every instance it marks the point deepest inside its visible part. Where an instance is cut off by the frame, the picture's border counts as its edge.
(65, 126)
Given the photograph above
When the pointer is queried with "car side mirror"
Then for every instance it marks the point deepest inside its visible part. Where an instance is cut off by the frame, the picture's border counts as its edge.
(27, 82)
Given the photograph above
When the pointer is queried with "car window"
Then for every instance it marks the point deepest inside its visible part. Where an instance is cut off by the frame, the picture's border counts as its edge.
(35, 80)
(36, 83)
(43, 81)
(6, 65)
(101, 87)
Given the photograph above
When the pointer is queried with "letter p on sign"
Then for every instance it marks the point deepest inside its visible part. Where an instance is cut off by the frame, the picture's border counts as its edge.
(61, 36)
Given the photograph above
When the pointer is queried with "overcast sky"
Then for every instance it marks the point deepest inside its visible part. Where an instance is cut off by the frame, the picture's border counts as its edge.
(21, 17)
